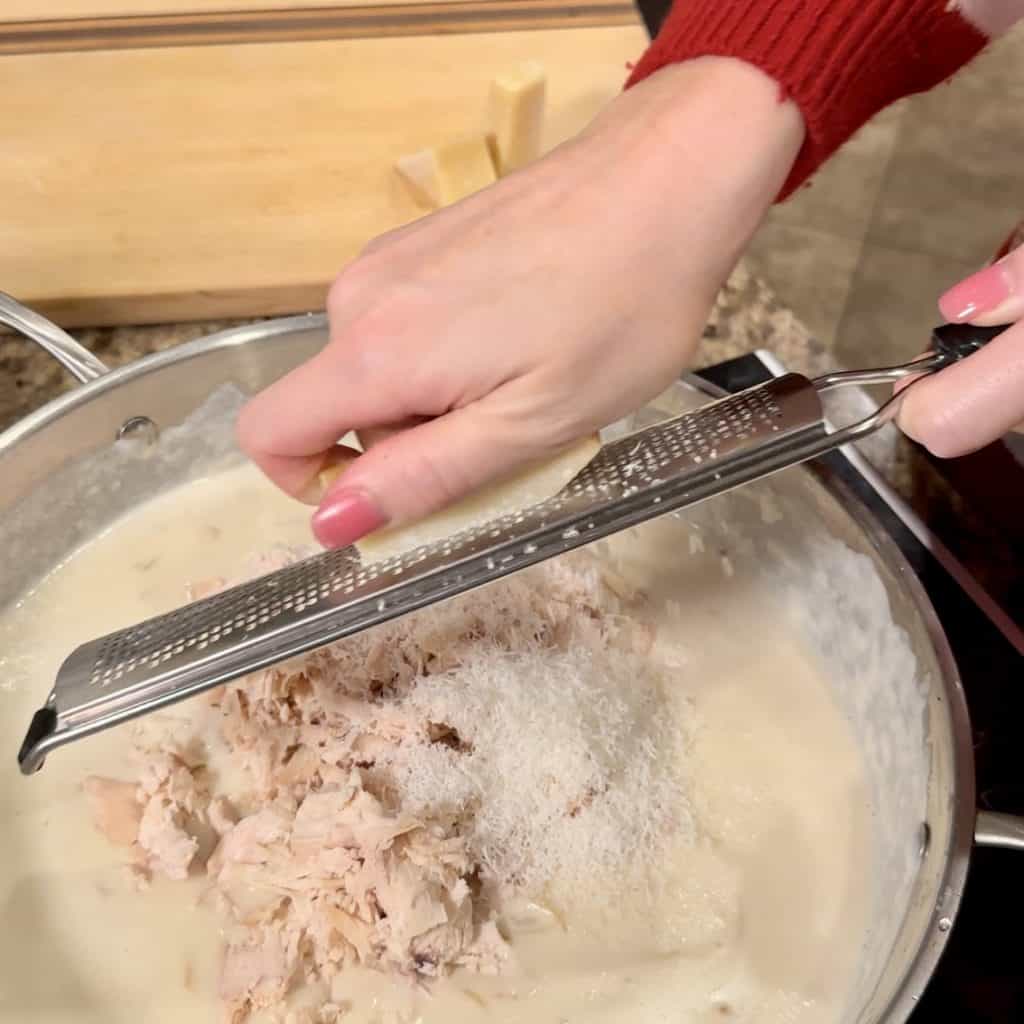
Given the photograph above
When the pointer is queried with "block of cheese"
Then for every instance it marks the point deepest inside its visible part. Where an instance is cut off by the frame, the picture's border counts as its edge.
(419, 173)
(530, 486)
(449, 172)
(515, 117)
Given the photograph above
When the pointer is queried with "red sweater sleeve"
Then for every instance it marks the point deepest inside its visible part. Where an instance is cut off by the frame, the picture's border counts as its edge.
(841, 61)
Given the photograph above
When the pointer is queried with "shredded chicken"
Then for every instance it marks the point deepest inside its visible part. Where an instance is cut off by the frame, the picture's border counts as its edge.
(306, 846)
(115, 808)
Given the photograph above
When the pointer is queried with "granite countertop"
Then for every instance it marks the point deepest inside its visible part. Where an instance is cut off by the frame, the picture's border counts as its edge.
(747, 316)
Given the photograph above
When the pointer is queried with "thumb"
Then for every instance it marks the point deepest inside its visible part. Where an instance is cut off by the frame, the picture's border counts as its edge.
(978, 400)
(994, 295)
(972, 403)
(410, 474)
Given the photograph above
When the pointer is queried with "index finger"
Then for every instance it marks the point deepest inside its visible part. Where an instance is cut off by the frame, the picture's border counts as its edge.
(290, 428)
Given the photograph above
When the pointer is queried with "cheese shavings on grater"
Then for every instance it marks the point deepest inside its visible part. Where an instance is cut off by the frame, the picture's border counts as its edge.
(322, 599)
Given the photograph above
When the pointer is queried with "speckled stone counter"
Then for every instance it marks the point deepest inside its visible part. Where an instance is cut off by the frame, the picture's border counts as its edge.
(747, 316)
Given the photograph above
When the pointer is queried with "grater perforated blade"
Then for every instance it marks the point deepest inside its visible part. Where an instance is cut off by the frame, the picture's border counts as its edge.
(322, 599)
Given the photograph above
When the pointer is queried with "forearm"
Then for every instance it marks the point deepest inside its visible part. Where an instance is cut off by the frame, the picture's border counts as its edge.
(841, 61)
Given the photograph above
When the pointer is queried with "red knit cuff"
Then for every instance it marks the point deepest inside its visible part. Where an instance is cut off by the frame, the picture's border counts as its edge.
(1013, 241)
(841, 61)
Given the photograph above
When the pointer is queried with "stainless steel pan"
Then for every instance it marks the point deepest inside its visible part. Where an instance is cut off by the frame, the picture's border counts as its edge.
(912, 723)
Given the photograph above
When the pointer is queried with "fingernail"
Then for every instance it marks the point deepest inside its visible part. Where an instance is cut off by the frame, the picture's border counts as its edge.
(345, 516)
(980, 294)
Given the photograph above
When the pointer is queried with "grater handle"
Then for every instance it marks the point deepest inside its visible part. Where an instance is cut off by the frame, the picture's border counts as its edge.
(958, 341)
(950, 344)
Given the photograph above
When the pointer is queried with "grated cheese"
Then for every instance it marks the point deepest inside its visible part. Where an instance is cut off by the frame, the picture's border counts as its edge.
(570, 763)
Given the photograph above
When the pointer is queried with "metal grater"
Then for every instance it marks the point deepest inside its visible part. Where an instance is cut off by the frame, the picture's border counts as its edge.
(663, 468)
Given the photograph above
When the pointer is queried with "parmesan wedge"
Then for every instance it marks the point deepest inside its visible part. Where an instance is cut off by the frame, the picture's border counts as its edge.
(449, 172)
(419, 172)
(342, 457)
(334, 468)
(529, 487)
(515, 117)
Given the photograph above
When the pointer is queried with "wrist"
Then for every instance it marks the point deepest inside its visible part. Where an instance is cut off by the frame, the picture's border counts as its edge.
(703, 148)
(735, 119)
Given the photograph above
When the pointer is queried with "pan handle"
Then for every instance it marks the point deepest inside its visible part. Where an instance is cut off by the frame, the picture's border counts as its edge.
(999, 830)
(75, 358)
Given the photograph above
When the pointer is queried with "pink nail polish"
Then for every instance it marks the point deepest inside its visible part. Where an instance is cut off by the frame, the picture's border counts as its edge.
(978, 294)
(344, 517)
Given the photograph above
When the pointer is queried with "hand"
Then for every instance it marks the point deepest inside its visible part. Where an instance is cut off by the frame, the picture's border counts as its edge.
(978, 400)
(507, 326)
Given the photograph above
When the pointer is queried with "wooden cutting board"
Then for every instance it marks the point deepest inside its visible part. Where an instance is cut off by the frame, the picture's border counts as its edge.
(54, 10)
(167, 183)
